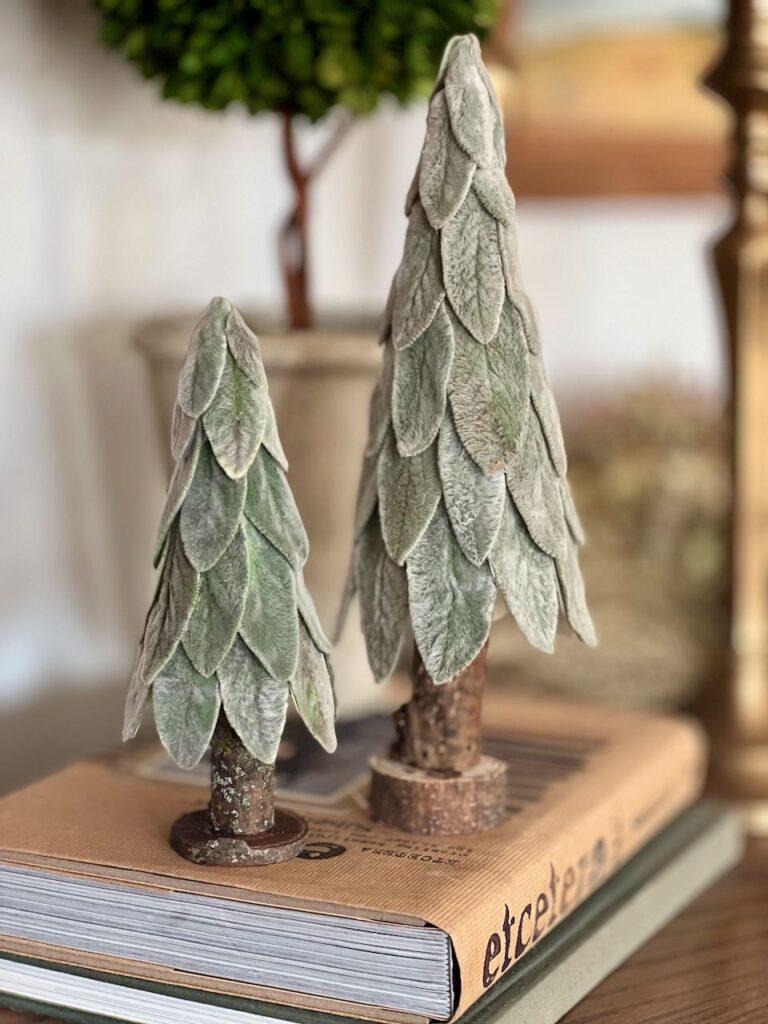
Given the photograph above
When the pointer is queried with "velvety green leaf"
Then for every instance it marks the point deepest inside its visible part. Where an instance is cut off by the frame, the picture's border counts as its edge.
(474, 501)
(571, 515)
(272, 438)
(469, 106)
(446, 170)
(211, 511)
(183, 430)
(367, 492)
(244, 346)
(181, 481)
(451, 601)
(420, 388)
(535, 489)
(494, 193)
(413, 191)
(489, 392)
(383, 589)
(517, 296)
(409, 490)
(549, 418)
(136, 701)
(255, 704)
(419, 288)
(219, 608)
(171, 608)
(186, 709)
(526, 577)
(205, 359)
(472, 269)
(271, 619)
(496, 116)
(271, 508)
(347, 596)
(379, 414)
(236, 420)
(574, 599)
(309, 614)
(312, 691)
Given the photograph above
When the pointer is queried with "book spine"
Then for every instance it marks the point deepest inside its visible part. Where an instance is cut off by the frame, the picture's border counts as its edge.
(574, 848)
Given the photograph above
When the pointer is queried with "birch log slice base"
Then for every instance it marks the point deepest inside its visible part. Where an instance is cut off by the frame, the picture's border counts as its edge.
(435, 803)
(193, 837)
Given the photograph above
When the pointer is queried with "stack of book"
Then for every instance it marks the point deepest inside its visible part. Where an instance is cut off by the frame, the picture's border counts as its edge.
(603, 843)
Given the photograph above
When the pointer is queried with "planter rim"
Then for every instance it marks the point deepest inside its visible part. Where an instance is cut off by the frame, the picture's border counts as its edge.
(351, 346)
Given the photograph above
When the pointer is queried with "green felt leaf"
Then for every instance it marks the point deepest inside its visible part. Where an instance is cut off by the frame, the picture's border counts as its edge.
(379, 413)
(271, 507)
(205, 359)
(383, 591)
(413, 190)
(549, 418)
(255, 704)
(446, 170)
(526, 577)
(489, 392)
(367, 492)
(472, 268)
(183, 430)
(312, 691)
(244, 347)
(309, 614)
(171, 608)
(469, 106)
(181, 481)
(236, 420)
(219, 608)
(271, 439)
(515, 292)
(451, 600)
(347, 596)
(474, 501)
(420, 388)
(186, 708)
(496, 115)
(535, 489)
(409, 490)
(574, 598)
(419, 288)
(271, 619)
(494, 193)
(571, 515)
(385, 330)
(136, 701)
(211, 511)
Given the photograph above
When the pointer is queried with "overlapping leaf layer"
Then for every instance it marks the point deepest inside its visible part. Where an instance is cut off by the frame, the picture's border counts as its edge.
(232, 625)
(463, 492)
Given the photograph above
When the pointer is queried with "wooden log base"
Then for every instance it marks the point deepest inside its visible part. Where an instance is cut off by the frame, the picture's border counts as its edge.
(193, 838)
(433, 804)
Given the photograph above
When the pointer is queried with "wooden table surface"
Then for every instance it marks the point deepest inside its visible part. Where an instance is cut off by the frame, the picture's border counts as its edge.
(709, 966)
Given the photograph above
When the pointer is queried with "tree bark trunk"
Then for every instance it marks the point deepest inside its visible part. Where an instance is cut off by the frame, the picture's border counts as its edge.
(438, 730)
(293, 241)
(242, 787)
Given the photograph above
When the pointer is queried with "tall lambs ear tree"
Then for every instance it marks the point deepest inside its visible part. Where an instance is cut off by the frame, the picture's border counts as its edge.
(232, 631)
(297, 58)
(463, 494)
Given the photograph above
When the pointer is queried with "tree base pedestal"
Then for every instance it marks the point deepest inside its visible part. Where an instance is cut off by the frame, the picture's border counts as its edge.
(193, 838)
(431, 803)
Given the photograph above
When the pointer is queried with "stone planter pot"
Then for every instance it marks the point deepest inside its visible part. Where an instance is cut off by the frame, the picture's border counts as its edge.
(320, 383)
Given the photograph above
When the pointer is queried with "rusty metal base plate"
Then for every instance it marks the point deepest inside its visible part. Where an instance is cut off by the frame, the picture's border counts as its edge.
(193, 838)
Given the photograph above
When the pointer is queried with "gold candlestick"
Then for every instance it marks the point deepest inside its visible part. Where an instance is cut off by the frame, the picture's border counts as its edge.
(740, 718)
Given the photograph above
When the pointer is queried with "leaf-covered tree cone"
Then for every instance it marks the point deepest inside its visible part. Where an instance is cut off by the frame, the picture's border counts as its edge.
(463, 503)
(232, 633)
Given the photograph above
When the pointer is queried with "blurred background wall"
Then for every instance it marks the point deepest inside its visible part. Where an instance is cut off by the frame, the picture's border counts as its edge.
(116, 207)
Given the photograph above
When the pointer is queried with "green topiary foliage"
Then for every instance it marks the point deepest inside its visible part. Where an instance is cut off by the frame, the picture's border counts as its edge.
(231, 627)
(463, 494)
(300, 56)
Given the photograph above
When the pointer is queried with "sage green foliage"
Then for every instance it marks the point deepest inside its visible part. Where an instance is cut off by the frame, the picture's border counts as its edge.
(302, 56)
(232, 623)
(463, 494)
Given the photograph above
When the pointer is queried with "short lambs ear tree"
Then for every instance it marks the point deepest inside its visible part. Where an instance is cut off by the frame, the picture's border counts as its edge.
(463, 494)
(295, 57)
(232, 630)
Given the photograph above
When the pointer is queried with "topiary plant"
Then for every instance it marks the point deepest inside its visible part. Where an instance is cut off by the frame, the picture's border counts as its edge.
(298, 58)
